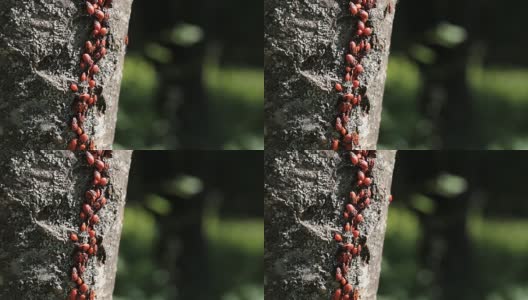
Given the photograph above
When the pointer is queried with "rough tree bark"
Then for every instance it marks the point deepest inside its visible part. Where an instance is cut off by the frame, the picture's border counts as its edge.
(41, 193)
(304, 198)
(40, 50)
(304, 50)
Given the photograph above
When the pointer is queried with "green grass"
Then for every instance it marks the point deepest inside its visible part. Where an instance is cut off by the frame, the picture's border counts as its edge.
(138, 124)
(500, 100)
(240, 243)
(137, 276)
(241, 84)
(237, 99)
(246, 235)
(500, 251)
(502, 106)
(506, 83)
(400, 120)
(235, 248)
(503, 234)
(235, 94)
(399, 267)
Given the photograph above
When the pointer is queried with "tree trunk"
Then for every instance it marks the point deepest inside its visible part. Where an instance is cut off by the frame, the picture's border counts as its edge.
(304, 198)
(305, 44)
(41, 193)
(41, 43)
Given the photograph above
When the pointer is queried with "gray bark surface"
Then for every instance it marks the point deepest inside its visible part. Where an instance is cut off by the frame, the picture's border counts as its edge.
(41, 193)
(304, 50)
(305, 194)
(41, 43)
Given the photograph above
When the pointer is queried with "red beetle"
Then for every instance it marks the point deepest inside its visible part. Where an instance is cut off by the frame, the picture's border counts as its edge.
(74, 88)
(90, 158)
(73, 294)
(90, 8)
(338, 237)
(74, 237)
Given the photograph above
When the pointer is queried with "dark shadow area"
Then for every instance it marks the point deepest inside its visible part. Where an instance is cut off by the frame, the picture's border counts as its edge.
(193, 76)
(193, 226)
(457, 229)
(456, 77)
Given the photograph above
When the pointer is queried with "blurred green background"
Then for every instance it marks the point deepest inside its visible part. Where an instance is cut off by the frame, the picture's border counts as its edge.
(193, 76)
(193, 227)
(457, 228)
(457, 77)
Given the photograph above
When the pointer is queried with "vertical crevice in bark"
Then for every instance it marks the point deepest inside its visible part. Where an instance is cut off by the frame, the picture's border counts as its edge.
(305, 193)
(305, 46)
(41, 43)
(41, 193)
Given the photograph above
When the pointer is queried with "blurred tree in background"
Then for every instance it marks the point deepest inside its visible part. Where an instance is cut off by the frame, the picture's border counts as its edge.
(193, 76)
(193, 226)
(457, 229)
(456, 77)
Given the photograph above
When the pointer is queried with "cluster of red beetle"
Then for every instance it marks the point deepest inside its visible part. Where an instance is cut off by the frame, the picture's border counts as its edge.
(351, 90)
(86, 239)
(351, 243)
(85, 89)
